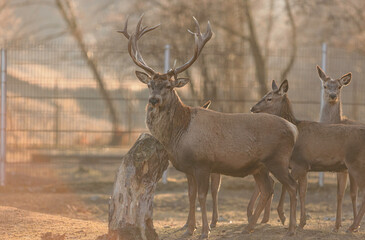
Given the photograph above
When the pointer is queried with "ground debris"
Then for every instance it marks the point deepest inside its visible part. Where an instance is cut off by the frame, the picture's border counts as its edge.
(51, 236)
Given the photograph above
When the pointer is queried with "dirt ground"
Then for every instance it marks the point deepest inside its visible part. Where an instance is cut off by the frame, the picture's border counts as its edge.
(79, 211)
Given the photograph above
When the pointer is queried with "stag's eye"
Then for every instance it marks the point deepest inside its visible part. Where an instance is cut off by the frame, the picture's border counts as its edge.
(339, 87)
(268, 99)
(325, 87)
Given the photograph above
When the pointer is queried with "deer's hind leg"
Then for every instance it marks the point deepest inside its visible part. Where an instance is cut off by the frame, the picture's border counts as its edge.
(341, 186)
(353, 194)
(215, 180)
(262, 179)
(253, 199)
(279, 167)
(356, 224)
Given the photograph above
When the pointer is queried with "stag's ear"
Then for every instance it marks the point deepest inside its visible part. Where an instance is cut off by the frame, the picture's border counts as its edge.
(274, 86)
(346, 79)
(143, 77)
(180, 82)
(322, 75)
(284, 87)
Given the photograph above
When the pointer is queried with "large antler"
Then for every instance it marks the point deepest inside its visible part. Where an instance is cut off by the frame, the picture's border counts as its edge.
(133, 44)
(200, 41)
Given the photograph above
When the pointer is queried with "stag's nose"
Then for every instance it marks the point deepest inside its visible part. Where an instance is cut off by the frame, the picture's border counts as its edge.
(333, 96)
(154, 101)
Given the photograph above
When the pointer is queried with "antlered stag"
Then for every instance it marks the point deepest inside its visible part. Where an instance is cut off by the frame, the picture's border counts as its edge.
(319, 147)
(331, 112)
(200, 141)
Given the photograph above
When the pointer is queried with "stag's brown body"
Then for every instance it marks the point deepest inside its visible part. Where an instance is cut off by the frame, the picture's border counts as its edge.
(201, 141)
(319, 147)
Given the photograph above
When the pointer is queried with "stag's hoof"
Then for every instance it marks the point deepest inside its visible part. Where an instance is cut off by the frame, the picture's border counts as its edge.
(353, 229)
(204, 236)
(282, 218)
(290, 233)
(265, 220)
(248, 230)
(213, 224)
(302, 224)
(188, 233)
(335, 230)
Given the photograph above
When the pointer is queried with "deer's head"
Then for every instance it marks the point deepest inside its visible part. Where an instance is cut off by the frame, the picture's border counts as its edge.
(272, 102)
(161, 86)
(332, 87)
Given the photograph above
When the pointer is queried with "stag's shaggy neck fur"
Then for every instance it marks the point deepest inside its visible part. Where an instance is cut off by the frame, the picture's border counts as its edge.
(331, 112)
(168, 122)
(286, 111)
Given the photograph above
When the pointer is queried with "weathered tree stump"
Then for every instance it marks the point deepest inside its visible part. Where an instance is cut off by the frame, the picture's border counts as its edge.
(130, 206)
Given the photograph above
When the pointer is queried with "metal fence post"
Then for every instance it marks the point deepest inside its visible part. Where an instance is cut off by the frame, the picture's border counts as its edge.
(323, 65)
(166, 68)
(3, 118)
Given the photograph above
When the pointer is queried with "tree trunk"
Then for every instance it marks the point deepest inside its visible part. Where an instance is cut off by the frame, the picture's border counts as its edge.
(130, 206)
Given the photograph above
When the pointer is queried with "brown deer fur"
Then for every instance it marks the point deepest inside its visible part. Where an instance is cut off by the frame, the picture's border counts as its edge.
(200, 141)
(320, 147)
(331, 112)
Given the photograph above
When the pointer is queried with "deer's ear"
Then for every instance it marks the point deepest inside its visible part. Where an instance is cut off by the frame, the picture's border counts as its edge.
(284, 87)
(143, 77)
(274, 86)
(180, 82)
(322, 75)
(346, 79)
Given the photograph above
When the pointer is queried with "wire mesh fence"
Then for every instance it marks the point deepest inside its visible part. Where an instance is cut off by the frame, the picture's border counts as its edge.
(58, 120)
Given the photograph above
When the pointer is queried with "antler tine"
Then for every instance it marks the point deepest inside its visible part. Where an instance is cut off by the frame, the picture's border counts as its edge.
(137, 59)
(125, 30)
(200, 41)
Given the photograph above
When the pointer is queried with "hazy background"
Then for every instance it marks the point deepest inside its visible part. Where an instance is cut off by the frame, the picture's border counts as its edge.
(71, 87)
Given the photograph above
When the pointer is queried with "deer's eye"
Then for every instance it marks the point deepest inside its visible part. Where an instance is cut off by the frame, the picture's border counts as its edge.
(325, 87)
(268, 99)
(339, 87)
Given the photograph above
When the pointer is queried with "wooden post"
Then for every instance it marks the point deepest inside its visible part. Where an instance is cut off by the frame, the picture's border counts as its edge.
(130, 206)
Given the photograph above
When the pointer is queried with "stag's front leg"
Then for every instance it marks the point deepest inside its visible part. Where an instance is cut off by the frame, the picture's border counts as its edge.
(202, 180)
(215, 180)
(341, 186)
(192, 190)
(263, 181)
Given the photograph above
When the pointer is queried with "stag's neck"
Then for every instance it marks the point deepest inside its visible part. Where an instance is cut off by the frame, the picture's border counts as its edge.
(168, 123)
(286, 111)
(331, 112)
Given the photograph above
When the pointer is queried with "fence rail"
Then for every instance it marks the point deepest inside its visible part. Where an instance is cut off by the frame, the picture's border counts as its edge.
(54, 103)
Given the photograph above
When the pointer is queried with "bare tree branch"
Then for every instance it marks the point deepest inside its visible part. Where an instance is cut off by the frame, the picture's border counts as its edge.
(69, 16)
(293, 41)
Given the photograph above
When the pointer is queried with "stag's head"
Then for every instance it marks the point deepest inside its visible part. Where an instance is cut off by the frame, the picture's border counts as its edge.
(332, 87)
(272, 102)
(161, 85)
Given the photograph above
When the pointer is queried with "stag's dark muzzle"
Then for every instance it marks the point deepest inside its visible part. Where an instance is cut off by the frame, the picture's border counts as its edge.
(154, 101)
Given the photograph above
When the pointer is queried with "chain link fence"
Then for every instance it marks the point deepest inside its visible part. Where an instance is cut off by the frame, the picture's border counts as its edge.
(58, 122)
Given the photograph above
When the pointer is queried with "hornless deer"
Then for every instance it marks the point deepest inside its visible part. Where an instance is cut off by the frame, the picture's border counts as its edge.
(320, 147)
(200, 141)
(331, 112)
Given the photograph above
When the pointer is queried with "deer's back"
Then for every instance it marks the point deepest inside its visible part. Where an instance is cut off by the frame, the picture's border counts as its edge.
(234, 141)
(324, 147)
